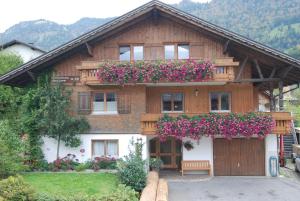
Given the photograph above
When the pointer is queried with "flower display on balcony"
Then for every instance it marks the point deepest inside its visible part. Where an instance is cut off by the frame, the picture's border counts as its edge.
(144, 72)
(214, 124)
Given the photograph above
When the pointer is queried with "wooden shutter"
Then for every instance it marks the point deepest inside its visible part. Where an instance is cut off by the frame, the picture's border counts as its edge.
(124, 103)
(84, 102)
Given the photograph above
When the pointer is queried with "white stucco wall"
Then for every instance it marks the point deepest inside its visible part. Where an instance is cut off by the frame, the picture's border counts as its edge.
(271, 150)
(203, 150)
(25, 52)
(50, 145)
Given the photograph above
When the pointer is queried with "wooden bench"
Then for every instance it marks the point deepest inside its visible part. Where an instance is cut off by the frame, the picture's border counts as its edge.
(195, 165)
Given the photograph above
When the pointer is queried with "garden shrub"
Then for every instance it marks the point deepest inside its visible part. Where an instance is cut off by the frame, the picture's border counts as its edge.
(81, 167)
(10, 161)
(131, 170)
(15, 189)
(122, 193)
(103, 163)
(68, 162)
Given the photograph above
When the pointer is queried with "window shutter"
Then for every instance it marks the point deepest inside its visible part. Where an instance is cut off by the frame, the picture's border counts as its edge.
(124, 103)
(84, 102)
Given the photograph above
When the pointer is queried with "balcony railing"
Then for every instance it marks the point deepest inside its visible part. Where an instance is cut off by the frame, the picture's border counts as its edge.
(224, 71)
(282, 125)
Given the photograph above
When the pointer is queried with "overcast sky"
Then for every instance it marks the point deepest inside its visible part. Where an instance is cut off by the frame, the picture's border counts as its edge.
(65, 11)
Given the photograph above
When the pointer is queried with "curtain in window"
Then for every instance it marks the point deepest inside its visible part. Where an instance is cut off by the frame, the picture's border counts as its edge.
(112, 148)
(98, 148)
(111, 102)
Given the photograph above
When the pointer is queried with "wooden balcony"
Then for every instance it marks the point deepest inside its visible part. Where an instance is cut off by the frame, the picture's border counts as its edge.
(224, 72)
(282, 119)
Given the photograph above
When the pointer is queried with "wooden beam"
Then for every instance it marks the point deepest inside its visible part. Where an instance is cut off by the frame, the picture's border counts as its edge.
(273, 72)
(259, 80)
(280, 88)
(225, 48)
(272, 98)
(285, 71)
(155, 16)
(242, 67)
(89, 49)
(31, 75)
(258, 69)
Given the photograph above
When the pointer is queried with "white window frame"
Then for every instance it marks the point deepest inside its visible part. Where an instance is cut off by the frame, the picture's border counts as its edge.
(219, 99)
(105, 112)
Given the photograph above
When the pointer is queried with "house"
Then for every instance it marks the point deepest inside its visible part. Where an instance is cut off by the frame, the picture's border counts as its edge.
(118, 111)
(25, 50)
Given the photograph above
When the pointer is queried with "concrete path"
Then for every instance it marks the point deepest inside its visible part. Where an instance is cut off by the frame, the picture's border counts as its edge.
(236, 188)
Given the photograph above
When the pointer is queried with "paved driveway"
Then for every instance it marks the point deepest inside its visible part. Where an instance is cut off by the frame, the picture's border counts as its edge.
(236, 188)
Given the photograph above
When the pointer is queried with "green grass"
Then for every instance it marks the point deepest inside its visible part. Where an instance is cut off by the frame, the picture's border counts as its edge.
(72, 183)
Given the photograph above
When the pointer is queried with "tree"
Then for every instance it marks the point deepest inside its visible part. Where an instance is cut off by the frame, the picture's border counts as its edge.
(9, 61)
(8, 95)
(56, 121)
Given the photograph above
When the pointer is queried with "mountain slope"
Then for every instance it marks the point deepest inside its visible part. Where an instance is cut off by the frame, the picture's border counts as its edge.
(272, 22)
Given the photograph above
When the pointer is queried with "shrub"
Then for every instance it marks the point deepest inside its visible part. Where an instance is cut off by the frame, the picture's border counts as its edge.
(15, 189)
(10, 161)
(132, 169)
(81, 167)
(68, 162)
(104, 163)
(155, 163)
(122, 193)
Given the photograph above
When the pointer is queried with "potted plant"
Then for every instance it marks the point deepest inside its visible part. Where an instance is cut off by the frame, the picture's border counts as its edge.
(155, 164)
(188, 145)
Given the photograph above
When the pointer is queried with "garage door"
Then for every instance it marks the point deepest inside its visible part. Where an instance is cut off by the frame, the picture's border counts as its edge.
(239, 157)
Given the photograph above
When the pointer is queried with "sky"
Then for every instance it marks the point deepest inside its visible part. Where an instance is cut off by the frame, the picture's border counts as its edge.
(65, 11)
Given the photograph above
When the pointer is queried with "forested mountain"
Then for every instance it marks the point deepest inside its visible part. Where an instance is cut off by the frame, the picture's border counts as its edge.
(272, 22)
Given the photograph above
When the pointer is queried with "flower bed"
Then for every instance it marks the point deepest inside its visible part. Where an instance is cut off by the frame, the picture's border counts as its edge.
(214, 124)
(140, 72)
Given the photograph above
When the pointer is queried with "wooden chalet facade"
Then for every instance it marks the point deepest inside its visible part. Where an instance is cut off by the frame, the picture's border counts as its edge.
(246, 74)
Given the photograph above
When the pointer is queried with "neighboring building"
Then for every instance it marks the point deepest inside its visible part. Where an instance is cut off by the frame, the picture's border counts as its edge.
(25, 50)
(156, 31)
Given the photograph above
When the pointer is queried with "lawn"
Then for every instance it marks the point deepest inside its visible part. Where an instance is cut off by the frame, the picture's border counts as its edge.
(72, 183)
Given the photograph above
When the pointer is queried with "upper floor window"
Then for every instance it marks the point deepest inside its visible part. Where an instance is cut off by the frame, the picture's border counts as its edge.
(124, 53)
(183, 51)
(138, 53)
(169, 51)
(172, 102)
(105, 148)
(180, 51)
(104, 103)
(220, 102)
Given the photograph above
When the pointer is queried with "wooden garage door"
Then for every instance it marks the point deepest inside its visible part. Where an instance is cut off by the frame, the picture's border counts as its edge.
(239, 157)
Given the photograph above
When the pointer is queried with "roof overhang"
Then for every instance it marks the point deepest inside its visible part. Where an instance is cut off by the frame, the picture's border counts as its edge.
(271, 58)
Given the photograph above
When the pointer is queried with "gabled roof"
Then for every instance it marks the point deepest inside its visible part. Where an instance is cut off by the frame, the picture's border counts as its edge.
(17, 77)
(15, 42)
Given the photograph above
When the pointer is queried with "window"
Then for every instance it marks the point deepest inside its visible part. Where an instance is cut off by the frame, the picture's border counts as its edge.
(104, 103)
(169, 51)
(183, 51)
(138, 53)
(172, 102)
(219, 101)
(124, 53)
(84, 101)
(108, 148)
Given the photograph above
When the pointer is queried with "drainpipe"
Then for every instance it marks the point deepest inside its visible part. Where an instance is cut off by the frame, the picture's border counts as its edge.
(281, 108)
